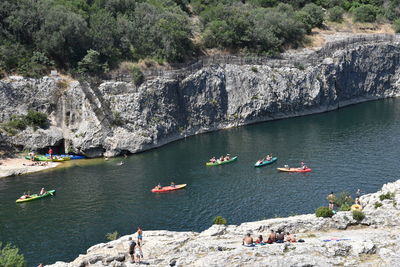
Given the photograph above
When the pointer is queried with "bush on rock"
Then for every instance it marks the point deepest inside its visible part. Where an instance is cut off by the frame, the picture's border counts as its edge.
(324, 212)
(220, 220)
(358, 215)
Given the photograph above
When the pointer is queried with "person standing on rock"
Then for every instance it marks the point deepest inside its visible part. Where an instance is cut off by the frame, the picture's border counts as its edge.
(331, 199)
(138, 253)
(140, 235)
(51, 153)
(132, 245)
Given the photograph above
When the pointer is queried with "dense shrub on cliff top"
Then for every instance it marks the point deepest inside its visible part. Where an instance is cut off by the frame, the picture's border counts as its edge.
(220, 220)
(323, 212)
(344, 198)
(38, 35)
(10, 256)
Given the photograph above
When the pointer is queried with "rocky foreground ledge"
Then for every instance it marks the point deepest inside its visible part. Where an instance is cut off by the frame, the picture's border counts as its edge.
(375, 241)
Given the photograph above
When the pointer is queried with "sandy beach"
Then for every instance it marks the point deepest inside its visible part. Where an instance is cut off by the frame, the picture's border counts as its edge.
(18, 166)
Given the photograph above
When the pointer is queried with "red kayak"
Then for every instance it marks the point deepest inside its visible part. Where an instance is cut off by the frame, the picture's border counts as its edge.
(294, 169)
(168, 188)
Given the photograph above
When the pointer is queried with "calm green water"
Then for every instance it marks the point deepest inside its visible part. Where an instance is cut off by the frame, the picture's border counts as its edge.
(355, 147)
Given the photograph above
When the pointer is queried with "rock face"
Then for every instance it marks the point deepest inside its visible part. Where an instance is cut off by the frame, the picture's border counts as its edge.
(340, 240)
(118, 117)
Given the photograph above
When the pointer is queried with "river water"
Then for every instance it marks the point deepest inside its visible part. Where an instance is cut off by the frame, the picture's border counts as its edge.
(351, 148)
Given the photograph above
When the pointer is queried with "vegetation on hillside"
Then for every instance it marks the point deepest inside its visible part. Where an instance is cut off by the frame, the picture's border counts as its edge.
(94, 36)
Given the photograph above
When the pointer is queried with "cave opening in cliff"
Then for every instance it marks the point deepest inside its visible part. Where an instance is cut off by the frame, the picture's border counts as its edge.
(58, 148)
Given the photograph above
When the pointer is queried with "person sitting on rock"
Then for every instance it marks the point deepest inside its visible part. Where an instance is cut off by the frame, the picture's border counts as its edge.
(260, 240)
(290, 237)
(248, 240)
(271, 237)
(280, 237)
(357, 201)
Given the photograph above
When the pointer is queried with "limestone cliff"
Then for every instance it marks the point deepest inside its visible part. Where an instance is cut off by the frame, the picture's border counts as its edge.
(118, 117)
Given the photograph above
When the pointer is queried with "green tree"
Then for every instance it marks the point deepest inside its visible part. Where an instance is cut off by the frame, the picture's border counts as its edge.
(10, 256)
(91, 64)
(365, 13)
(335, 14)
(396, 25)
(311, 16)
(63, 35)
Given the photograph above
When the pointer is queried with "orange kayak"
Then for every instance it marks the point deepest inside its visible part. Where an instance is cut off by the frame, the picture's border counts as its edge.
(294, 170)
(168, 188)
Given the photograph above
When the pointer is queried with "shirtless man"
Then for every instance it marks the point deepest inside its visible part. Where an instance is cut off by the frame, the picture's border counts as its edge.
(272, 236)
(248, 240)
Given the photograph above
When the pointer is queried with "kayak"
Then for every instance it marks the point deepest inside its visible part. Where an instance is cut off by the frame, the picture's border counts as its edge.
(36, 196)
(294, 170)
(67, 156)
(38, 158)
(265, 162)
(168, 188)
(60, 159)
(221, 162)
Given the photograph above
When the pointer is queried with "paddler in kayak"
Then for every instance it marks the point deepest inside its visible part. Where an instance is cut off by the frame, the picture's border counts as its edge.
(213, 160)
(172, 184)
(158, 187)
(221, 158)
(25, 196)
(268, 158)
(42, 191)
(228, 157)
(303, 166)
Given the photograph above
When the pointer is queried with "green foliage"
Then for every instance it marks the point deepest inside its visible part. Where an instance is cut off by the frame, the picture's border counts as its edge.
(37, 119)
(377, 204)
(117, 120)
(396, 25)
(10, 256)
(344, 198)
(335, 14)
(220, 220)
(254, 69)
(91, 64)
(388, 195)
(323, 212)
(345, 207)
(358, 215)
(311, 16)
(112, 236)
(365, 13)
(137, 75)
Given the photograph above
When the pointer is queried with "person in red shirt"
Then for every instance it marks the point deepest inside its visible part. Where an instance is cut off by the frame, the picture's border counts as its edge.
(51, 152)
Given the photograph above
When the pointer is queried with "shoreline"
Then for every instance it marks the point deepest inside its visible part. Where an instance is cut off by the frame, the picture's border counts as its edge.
(337, 241)
(19, 166)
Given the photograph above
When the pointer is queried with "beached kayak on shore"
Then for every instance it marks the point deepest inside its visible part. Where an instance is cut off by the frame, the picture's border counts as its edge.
(36, 196)
(67, 156)
(265, 162)
(294, 170)
(218, 162)
(168, 188)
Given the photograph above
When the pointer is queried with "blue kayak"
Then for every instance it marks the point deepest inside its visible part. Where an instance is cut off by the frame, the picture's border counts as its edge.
(67, 156)
(265, 162)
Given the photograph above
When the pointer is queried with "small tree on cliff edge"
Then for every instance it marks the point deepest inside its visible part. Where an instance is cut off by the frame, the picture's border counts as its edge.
(10, 257)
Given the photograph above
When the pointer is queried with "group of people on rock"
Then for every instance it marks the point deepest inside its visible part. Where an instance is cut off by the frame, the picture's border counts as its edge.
(135, 248)
(221, 159)
(332, 198)
(278, 237)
